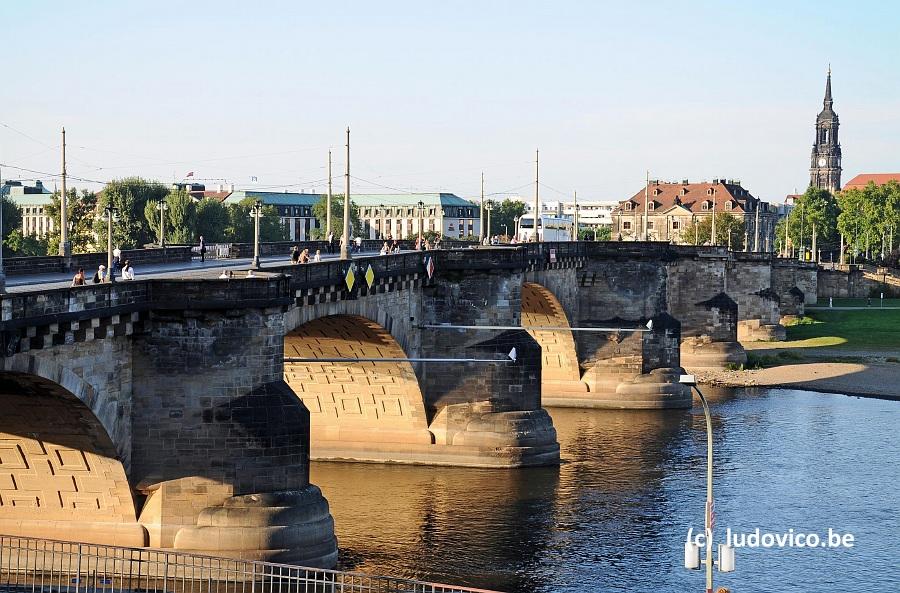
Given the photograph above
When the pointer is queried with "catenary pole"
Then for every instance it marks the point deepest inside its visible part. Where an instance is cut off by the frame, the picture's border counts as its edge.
(345, 245)
(328, 205)
(64, 246)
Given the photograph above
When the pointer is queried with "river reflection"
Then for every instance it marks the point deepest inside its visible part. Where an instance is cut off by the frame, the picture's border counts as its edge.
(614, 516)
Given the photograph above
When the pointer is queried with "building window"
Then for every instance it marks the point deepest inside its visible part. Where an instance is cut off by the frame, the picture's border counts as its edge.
(651, 206)
(629, 205)
(706, 204)
(626, 225)
(729, 205)
(676, 225)
(649, 225)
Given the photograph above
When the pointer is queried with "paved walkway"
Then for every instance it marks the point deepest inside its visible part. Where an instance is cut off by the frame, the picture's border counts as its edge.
(193, 269)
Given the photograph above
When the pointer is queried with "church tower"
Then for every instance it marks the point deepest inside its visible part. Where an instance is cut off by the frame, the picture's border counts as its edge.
(825, 165)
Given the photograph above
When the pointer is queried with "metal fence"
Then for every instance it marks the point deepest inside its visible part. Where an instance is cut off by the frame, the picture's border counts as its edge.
(49, 566)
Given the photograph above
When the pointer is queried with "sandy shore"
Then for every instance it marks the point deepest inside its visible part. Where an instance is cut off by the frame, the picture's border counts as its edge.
(874, 379)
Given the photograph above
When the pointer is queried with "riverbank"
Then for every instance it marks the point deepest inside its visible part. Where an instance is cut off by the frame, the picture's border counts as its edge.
(869, 379)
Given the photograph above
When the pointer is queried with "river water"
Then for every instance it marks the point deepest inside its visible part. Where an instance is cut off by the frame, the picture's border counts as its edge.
(615, 515)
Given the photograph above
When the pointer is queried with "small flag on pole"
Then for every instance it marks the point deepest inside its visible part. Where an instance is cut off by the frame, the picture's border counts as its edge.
(190, 174)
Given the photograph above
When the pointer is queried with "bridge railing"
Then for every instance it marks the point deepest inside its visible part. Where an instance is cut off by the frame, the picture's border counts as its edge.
(40, 565)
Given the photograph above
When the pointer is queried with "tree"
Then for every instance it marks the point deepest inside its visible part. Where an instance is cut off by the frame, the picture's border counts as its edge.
(602, 233)
(504, 216)
(180, 218)
(212, 220)
(337, 217)
(25, 245)
(81, 216)
(130, 197)
(240, 223)
(730, 231)
(12, 221)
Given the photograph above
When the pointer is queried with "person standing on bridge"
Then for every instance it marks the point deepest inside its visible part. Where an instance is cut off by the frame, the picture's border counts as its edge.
(295, 254)
(330, 242)
(99, 275)
(127, 271)
(202, 249)
(78, 279)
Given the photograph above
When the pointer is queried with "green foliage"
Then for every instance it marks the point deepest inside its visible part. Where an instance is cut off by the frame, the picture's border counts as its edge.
(21, 245)
(212, 220)
(816, 211)
(503, 216)
(337, 217)
(81, 216)
(240, 223)
(730, 230)
(130, 197)
(602, 233)
(180, 218)
(12, 217)
(869, 217)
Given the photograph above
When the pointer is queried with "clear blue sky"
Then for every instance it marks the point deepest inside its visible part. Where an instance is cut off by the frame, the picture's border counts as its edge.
(434, 92)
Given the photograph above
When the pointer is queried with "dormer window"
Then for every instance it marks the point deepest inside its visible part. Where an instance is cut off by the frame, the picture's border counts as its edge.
(629, 205)
(651, 205)
(729, 205)
(657, 191)
(684, 191)
(706, 204)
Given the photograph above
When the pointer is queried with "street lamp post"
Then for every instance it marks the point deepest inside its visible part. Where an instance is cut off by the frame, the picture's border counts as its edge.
(575, 219)
(516, 220)
(256, 212)
(162, 206)
(383, 212)
(489, 206)
(421, 212)
(726, 552)
(112, 214)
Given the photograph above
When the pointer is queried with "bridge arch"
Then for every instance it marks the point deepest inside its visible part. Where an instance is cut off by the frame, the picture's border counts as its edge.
(560, 371)
(354, 402)
(61, 475)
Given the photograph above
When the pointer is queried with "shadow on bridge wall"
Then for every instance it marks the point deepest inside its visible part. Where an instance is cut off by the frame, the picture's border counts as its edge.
(445, 413)
(60, 474)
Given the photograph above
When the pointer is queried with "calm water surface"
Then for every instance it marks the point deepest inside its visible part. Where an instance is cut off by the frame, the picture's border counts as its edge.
(615, 515)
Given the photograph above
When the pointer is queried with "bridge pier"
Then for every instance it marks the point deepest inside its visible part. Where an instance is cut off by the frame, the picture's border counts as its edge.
(221, 442)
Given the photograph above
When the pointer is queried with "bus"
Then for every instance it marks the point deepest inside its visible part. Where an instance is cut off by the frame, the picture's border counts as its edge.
(550, 228)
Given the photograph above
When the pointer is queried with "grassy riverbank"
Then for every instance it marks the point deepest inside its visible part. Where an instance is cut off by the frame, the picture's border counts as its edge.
(859, 329)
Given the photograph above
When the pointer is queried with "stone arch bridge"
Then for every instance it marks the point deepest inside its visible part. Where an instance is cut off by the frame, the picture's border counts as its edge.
(164, 413)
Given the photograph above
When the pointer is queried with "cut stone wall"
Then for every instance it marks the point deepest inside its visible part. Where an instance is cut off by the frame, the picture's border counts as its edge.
(60, 476)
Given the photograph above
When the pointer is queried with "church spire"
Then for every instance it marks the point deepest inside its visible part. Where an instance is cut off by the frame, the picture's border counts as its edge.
(828, 100)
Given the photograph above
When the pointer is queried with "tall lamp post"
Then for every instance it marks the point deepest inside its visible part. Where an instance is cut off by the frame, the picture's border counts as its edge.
(112, 214)
(421, 205)
(516, 220)
(691, 551)
(575, 219)
(256, 212)
(489, 206)
(383, 212)
(162, 206)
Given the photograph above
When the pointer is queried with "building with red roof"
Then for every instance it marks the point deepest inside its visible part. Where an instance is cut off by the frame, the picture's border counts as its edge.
(672, 208)
(864, 179)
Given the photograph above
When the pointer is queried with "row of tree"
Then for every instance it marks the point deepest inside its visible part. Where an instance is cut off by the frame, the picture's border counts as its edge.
(137, 219)
(864, 222)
